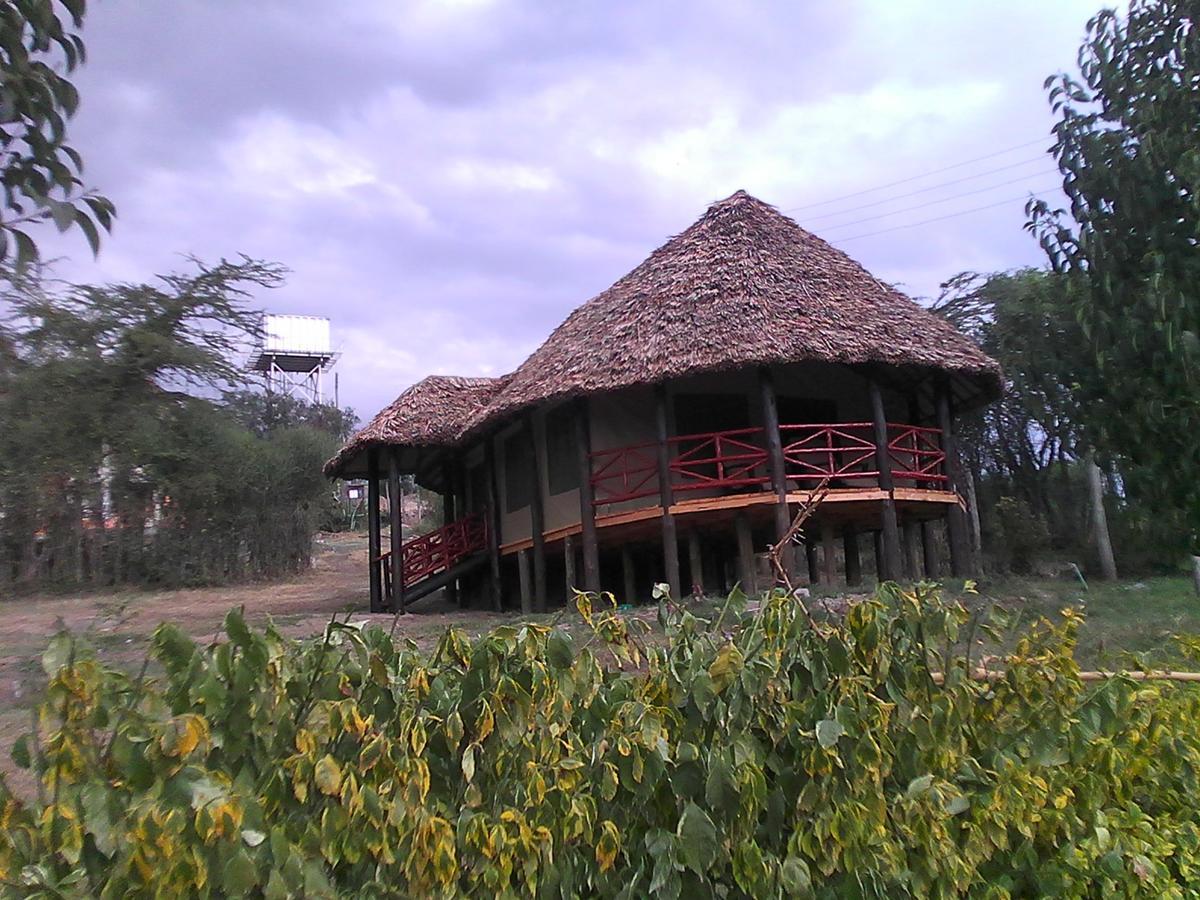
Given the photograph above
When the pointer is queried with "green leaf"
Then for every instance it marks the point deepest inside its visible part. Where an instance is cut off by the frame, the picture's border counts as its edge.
(560, 650)
(20, 752)
(468, 763)
(328, 775)
(239, 875)
(27, 253)
(698, 844)
(88, 227)
(795, 877)
(720, 790)
(57, 654)
(828, 732)
(919, 786)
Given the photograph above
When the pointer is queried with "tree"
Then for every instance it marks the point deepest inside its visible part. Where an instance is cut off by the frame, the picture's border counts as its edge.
(40, 174)
(1128, 144)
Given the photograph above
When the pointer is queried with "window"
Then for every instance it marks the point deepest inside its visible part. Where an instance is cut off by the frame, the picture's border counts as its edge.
(518, 472)
(562, 465)
(703, 413)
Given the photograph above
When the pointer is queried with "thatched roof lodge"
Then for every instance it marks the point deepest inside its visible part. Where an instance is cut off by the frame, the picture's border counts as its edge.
(740, 365)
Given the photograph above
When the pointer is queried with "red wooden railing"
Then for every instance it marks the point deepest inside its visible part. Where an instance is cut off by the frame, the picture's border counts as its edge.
(438, 550)
(738, 459)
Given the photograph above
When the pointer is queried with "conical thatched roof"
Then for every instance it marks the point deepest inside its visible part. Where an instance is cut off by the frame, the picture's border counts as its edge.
(745, 285)
(434, 412)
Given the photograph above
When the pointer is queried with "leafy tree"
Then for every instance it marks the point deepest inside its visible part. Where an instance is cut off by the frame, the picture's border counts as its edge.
(40, 175)
(265, 412)
(1128, 145)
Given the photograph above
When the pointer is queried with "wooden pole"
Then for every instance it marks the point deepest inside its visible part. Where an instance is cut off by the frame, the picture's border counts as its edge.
(810, 559)
(396, 509)
(569, 566)
(629, 575)
(877, 541)
(374, 574)
(537, 515)
(929, 550)
(850, 551)
(666, 495)
(777, 463)
(890, 570)
(745, 547)
(828, 568)
(1108, 565)
(695, 562)
(523, 578)
(447, 518)
(493, 522)
(587, 504)
(912, 550)
(960, 547)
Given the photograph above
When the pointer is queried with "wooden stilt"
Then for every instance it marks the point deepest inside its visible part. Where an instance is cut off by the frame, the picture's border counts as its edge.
(828, 566)
(375, 575)
(850, 551)
(929, 550)
(395, 509)
(890, 526)
(569, 566)
(666, 496)
(524, 578)
(776, 462)
(912, 550)
(493, 522)
(810, 558)
(537, 515)
(877, 540)
(695, 563)
(745, 550)
(587, 505)
(448, 516)
(629, 574)
(956, 524)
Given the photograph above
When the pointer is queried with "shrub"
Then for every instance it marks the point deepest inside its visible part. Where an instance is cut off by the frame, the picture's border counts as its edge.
(758, 754)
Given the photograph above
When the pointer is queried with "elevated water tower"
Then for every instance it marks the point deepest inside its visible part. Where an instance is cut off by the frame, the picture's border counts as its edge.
(294, 353)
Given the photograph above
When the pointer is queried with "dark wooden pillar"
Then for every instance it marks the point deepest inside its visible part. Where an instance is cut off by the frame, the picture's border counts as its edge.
(912, 550)
(850, 551)
(745, 549)
(373, 549)
(828, 569)
(877, 541)
(493, 521)
(810, 558)
(569, 566)
(666, 495)
(891, 527)
(929, 550)
(537, 515)
(587, 503)
(523, 579)
(956, 520)
(776, 462)
(695, 562)
(448, 516)
(396, 509)
(629, 575)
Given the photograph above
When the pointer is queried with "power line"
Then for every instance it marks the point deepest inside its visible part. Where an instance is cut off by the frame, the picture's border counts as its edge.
(935, 219)
(926, 190)
(918, 177)
(896, 212)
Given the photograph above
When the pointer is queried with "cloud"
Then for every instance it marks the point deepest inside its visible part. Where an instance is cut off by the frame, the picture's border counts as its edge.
(446, 181)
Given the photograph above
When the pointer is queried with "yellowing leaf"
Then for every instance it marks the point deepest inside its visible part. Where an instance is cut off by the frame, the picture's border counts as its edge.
(608, 845)
(328, 775)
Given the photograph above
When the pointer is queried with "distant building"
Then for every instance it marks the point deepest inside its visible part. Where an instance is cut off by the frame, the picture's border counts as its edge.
(666, 429)
(294, 354)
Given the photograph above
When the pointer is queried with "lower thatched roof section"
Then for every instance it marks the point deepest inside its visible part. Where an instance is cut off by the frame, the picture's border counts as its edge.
(434, 412)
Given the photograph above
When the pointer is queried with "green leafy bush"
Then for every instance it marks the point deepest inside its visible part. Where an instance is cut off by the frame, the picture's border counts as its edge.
(761, 754)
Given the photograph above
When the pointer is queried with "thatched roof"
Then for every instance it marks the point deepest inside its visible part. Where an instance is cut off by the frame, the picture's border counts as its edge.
(745, 285)
(434, 412)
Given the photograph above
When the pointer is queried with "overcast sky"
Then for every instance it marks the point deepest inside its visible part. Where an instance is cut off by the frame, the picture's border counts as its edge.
(446, 181)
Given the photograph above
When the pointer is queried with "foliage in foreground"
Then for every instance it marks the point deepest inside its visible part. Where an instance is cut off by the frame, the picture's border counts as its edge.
(760, 754)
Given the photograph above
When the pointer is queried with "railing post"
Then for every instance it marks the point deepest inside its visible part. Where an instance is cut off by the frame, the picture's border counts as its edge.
(493, 522)
(537, 515)
(373, 548)
(770, 419)
(891, 528)
(666, 495)
(956, 525)
(587, 504)
(395, 508)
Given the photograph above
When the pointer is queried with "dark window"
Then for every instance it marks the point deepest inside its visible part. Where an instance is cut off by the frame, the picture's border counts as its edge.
(518, 474)
(562, 466)
(806, 411)
(701, 413)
